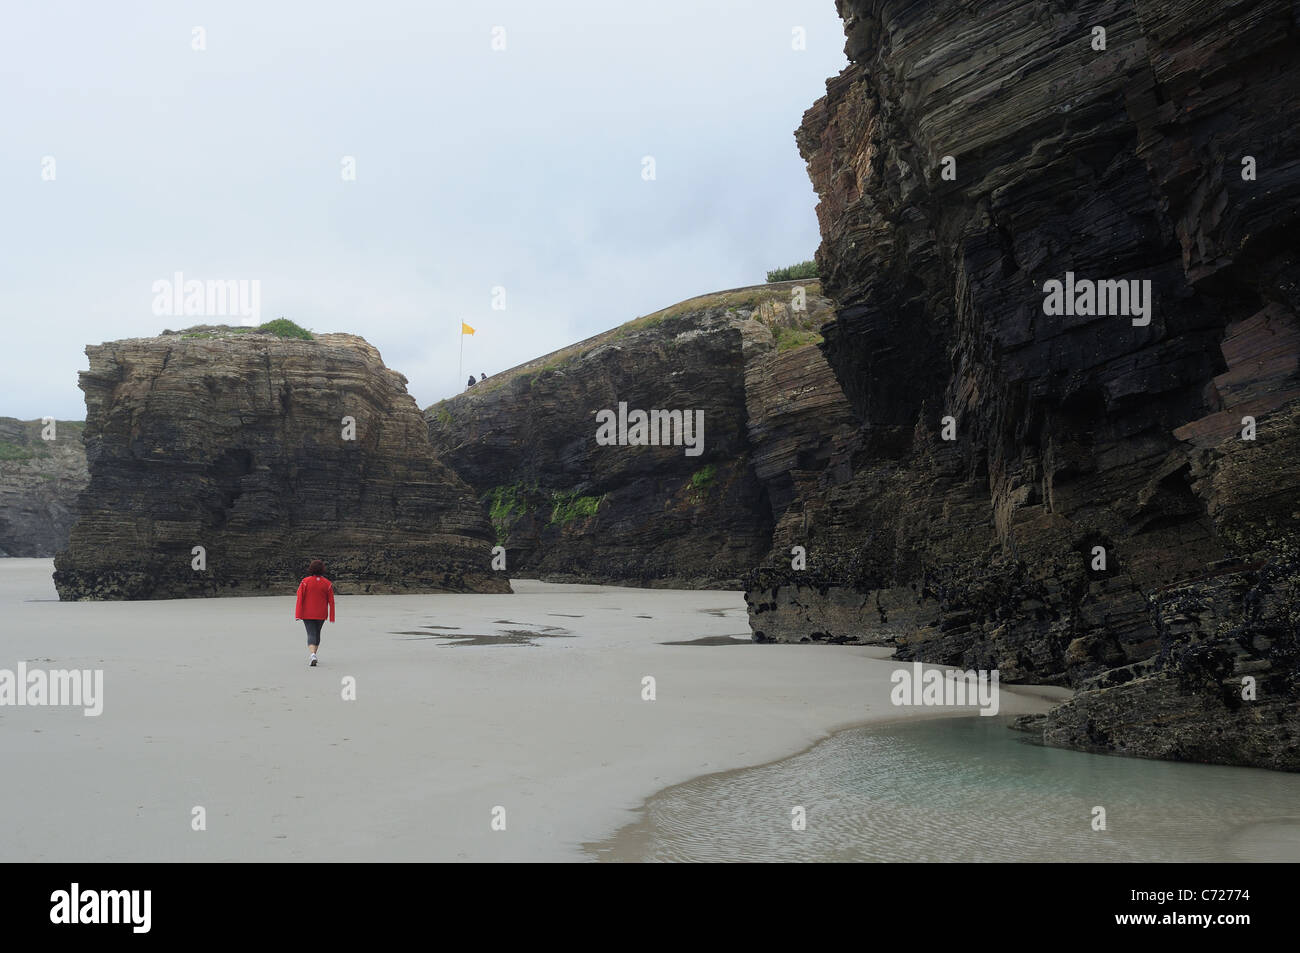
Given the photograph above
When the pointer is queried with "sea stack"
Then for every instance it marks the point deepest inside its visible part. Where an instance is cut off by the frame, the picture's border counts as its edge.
(222, 459)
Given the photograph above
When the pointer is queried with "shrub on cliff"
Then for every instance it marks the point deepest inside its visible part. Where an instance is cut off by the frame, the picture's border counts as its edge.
(703, 477)
(284, 328)
(805, 269)
(280, 327)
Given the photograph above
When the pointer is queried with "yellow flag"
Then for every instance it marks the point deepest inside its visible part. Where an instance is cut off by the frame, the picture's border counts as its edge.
(465, 328)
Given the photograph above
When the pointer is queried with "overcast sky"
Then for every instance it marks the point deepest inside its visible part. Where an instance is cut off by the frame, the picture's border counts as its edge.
(520, 168)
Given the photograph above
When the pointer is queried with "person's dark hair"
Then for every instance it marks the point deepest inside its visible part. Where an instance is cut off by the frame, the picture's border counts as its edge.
(317, 568)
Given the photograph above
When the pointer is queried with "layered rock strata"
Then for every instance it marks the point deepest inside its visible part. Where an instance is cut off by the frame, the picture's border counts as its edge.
(265, 452)
(42, 471)
(1167, 157)
(569, 508)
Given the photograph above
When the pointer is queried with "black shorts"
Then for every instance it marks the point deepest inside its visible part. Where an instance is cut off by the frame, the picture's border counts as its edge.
(313, 630)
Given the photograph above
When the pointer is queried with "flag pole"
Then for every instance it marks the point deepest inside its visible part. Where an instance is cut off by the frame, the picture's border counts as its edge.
(460, 365)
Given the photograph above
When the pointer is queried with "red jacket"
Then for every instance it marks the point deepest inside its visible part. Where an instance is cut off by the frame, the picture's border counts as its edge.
(314, 594)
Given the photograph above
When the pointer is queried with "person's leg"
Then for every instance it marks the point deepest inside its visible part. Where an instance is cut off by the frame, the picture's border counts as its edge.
(313, 634)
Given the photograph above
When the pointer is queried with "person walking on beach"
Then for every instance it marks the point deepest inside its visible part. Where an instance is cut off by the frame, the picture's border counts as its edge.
(315, 602)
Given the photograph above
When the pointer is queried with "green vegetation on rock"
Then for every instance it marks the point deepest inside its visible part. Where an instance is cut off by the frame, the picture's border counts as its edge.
(440, 413)
(284, 328)
(745, 299)
(739, 299)
(805, 269)
(280, 327)
(505, 505)
(17, 453)
(704, 476)
(570, 506)
(789, 338)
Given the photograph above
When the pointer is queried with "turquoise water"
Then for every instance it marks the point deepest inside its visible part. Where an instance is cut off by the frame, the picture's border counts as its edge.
(967, 789)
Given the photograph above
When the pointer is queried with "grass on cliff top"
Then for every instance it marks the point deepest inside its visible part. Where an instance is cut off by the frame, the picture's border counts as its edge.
(747, 299)
(284, 328)
(33, 447)
(805, 269)
(280, 327)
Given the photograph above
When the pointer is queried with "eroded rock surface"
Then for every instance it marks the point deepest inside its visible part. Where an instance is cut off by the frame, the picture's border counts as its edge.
(236, 442)
(1072, 432)
(39, 483)
(569, 509)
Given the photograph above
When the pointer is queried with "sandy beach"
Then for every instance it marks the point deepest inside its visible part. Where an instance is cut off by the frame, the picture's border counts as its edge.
(210, 703)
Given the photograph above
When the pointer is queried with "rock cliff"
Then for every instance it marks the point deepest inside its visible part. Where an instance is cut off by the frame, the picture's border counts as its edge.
(1105, 516)
(569, 508)
(39, 483)
(265, 452)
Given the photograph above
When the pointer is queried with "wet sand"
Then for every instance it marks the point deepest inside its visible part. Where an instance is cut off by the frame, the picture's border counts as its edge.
(464, 703)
